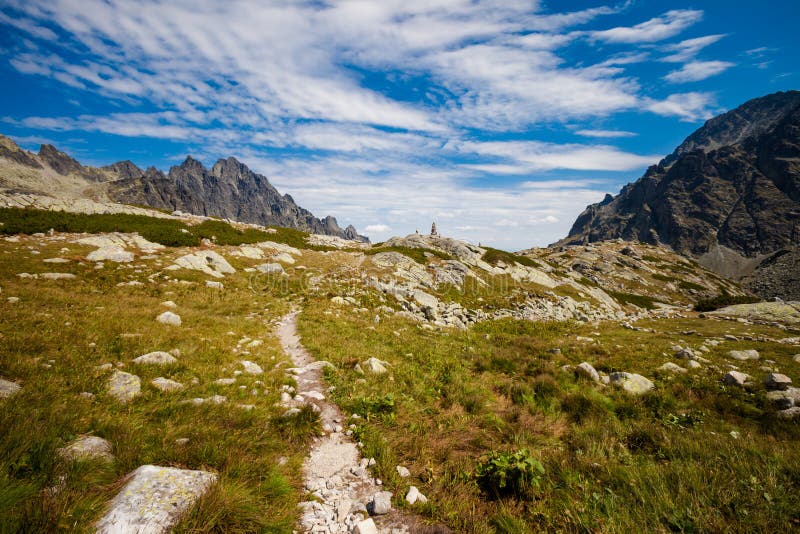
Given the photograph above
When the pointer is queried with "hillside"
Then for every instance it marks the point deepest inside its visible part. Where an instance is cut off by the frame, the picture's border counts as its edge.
(729, 195)
(229, 190)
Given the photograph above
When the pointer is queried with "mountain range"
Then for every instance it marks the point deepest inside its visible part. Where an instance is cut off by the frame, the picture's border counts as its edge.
(229, 190)
(729, 196)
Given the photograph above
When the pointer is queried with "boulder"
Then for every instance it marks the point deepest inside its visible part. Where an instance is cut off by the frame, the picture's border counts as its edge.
(154, 499)
(214, 284)
(587, 370)
(155, 358)
(253, 253)
(8, 388)
(735, 378)
(777, 381)
(124, 386)
(284, 258)
(693, 364)
(169, 318)
(414, 496)
(381, 503)
(367, 526)
(374, 366)
(86, 448)
(59, 276)
(206, 261)
(743, 355)
(113, 253)
(251, 368)
(784, 399)
(670, 367)
(791, 413)
(166, 385)
(631, 382)
(270, 268)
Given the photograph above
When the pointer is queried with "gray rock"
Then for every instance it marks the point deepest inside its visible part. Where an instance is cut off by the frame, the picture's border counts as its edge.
(414, 496)
(251, 368)
(735, 378)
(58, 276)
(777, 381)
(154, 499)
(225, 381)
(214, 284)
(786, 399)
(206, 261)
(113, 253)
(693, 364)
(684, 353)
(86, 448)
(155, 358)
(381, 503)
(169, 318)
(791, 413)
(744, 355)
(586, 369)
(8, 388)
(631, 382)
(124, 386)
(270, 268)
(367, 526)
(166, 385)
(374, 366)
(672, 368)
(402, 471)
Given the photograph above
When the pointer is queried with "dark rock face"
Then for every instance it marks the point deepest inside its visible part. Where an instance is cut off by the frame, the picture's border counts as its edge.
(228, 190)
(63, 164)
(734, 185)
(10, 150)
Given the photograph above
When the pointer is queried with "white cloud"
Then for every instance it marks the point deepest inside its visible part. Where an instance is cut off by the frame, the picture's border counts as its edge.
(688, 49)
(656, 29)
(376, 228)
(688, 107)
(605, 133)
(698, 70)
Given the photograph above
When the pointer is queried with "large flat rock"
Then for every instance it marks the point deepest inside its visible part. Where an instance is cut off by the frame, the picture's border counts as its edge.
(153, 500)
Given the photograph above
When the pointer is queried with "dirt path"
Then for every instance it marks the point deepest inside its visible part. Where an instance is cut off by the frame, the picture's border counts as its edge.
(334, 471)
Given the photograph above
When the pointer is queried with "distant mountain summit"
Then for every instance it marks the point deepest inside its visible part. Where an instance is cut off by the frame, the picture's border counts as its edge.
(729, 195)
(228, 190)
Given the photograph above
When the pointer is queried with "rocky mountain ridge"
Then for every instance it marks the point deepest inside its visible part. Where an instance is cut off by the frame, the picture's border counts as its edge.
(729, 195)
(229, 190)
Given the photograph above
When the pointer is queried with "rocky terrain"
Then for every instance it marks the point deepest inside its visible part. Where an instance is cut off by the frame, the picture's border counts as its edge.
(229, 190)
(729, 196)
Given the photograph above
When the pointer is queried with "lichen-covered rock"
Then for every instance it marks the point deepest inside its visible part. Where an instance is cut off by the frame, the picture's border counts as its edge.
(777, 381)
(166, 385)
(735, 378)
(8, 388)
(124, 386)
(86, 448)
(670, 367)
(154, 499)
(155, 358)
(206, 261)
(744, 355)
(631, 382)
(172, 319)
(114, 253)
(587, 370)
(251, 368)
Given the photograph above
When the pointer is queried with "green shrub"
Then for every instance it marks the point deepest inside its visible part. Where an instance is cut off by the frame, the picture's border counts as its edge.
(723, 300)
(299, 427)
(416, 254)
(641, 301)
(507, 473)
(685, 284)
(493, 256)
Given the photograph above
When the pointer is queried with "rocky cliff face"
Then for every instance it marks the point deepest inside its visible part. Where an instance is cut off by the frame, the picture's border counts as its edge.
(729, 192)
(228, 190)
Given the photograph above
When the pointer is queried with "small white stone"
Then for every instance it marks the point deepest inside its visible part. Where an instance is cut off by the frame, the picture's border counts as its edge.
(169, 318)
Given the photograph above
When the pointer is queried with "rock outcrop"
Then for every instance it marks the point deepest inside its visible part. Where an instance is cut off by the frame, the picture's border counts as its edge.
(729, 195)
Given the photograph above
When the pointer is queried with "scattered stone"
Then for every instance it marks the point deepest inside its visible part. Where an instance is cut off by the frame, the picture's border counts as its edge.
(381, 503)
(206, 261)
(251, 368)
(374, 366)
(414, 496)
(252, 253)
(270, 268)
(672, 368)
(777, 381)
(785, 399)
(12, 300)
(154, 499)
(169, 318)
(684, 353)
(403, 471)
(791, 413)
(124, 386)
(169, 304)
(735, 378)
(155, 358)
(367, 526)
(55, 260)
(339, 301)
(8, 388)
(693, 364)
(631, 382)
(86, 395)
(214, 284)
(587, 370)
(214, 399)
(182, 441)
(225, 381)
(113, 253)
(59, 276)
(166, 385)
(284, 258)
(86, 448)
(743, 355)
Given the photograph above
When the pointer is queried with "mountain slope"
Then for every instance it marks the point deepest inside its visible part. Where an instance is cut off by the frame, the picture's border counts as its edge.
(729, 194)
(228, 190)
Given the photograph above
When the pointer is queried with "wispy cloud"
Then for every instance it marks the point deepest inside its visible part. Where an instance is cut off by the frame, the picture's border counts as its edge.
(688, 107)
(698, 70)
(688, 49)
(656, 29)
(605, 133)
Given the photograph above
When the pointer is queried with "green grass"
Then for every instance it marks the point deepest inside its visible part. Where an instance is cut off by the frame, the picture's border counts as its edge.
(641, 301)
(611, 462)
(723, 300)
(493, 256)
(416, 254)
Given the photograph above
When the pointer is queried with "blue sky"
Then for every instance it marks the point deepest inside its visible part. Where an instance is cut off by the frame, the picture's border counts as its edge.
(500, 120)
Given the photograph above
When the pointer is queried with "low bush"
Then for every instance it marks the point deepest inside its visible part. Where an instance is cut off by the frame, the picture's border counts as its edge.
(723, 300)
(509, 473)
